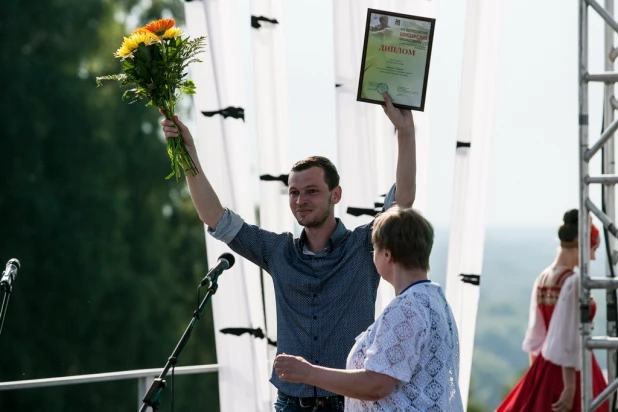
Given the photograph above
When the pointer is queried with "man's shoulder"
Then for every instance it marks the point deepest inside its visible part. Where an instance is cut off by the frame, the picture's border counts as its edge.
(361, 232)
(254, 235)
(281, 236)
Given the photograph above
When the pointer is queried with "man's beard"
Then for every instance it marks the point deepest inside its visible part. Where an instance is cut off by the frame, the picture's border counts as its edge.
(320, 220)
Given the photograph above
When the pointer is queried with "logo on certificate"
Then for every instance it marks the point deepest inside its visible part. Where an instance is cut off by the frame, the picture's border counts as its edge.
(382, 88)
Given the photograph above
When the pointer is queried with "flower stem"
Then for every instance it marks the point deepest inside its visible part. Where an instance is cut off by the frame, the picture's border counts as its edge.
(176, 149)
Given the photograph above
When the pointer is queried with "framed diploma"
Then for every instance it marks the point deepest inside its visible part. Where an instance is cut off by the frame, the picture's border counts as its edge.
(396, 56)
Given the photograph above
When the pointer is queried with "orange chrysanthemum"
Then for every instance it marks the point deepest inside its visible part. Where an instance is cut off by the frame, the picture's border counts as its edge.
(141, 30)
(159, 27)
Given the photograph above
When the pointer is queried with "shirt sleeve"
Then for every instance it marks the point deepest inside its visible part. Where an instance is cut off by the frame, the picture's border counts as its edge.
(389, 199)
(562, 345)
(537, 331)
(366, 229)
(395, 347)
(228, 227)
(249, 241)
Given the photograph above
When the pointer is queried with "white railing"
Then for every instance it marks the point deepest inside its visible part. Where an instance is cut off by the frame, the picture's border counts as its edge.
(144, 379)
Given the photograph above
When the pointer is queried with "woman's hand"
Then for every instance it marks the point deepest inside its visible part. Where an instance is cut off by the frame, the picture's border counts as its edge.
(565, 402)
(292, 368)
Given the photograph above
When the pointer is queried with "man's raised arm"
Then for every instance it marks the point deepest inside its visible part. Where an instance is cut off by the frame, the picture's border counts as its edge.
(406, 159)
(204, 198)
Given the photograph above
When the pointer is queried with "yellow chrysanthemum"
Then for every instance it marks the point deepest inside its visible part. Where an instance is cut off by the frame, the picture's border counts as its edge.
(123, 52)
(159, 27)
(173, 32)
(132, 42)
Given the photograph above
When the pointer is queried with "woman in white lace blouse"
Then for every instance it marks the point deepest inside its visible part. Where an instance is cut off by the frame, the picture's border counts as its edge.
(408, 359)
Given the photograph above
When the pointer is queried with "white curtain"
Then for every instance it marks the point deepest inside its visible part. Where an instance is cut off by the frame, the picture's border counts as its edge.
(367, 145)
(271, 103)
(476, 113)
(224, 80)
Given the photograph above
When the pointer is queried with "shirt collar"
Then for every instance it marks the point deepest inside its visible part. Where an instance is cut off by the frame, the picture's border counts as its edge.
(335, 238)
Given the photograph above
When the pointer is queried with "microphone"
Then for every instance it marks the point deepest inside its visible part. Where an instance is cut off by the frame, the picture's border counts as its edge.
(224, 262)
(9, 274)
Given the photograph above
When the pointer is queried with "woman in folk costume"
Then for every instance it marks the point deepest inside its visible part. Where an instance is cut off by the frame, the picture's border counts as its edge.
(553, 339)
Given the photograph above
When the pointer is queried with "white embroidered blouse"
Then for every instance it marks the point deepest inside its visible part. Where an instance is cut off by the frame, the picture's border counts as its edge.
(553, 326)
(415, 341)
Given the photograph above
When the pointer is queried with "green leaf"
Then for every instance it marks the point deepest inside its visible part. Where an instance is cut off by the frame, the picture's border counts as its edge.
(117, 77)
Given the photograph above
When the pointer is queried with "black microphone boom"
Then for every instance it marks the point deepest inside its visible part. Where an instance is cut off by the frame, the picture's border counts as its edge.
(224, 262)
(9, 274)
(152, 397)
(6, 284)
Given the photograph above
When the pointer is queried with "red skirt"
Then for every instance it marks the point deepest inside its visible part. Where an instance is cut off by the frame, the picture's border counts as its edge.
(542, 385)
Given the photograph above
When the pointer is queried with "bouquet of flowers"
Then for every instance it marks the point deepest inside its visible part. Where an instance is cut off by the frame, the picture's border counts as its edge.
(154, 60)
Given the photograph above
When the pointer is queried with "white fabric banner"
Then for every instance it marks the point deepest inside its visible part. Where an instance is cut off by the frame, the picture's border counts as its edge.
(467, 232)
(273, 135)
(367, 145)
(224, 80)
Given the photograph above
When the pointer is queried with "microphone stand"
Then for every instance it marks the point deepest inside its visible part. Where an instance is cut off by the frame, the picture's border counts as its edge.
(5, 303)
(152, 397)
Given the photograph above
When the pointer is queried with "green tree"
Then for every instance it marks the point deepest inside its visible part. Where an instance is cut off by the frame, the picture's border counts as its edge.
(111, 252)
(475, 404)
(512, 382)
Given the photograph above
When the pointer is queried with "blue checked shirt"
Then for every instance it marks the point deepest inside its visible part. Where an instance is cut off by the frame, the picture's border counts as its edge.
(324, 300)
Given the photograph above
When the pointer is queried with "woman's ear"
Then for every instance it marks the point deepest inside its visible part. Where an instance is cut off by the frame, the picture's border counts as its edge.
(388, 255)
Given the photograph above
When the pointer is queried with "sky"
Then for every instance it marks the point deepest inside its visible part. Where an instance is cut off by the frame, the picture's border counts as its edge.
(534, 175)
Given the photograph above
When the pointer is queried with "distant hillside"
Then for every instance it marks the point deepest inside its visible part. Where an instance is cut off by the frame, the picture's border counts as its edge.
(513, 258)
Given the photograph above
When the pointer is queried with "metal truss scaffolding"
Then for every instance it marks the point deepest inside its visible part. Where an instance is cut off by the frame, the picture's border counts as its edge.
(606, 214)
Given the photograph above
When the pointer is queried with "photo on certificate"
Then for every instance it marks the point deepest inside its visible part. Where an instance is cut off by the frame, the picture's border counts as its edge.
(396, 56)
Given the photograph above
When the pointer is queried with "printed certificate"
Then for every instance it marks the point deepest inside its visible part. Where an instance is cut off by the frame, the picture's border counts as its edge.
(396, 58)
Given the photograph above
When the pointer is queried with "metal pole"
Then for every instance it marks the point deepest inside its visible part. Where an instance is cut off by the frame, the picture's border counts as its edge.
(605, 15)
(143, 384)
(584, 226)
(606, 136)
(608, 213)
(610, 194)
(103, 377)
(603, 179)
